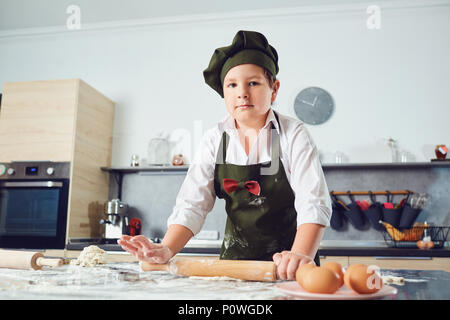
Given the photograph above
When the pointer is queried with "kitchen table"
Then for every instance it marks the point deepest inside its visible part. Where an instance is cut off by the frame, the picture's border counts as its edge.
(327, 248)
(125, 281)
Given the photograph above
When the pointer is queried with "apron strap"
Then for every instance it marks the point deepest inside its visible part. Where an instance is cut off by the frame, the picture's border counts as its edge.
(276, 143)
(222, 152)
(275, 138)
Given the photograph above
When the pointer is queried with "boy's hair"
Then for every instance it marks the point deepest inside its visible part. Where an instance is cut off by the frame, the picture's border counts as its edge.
(269, 77)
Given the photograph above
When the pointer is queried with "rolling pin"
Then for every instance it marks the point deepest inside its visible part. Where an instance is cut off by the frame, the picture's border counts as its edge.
(26, 260)
(238, 269)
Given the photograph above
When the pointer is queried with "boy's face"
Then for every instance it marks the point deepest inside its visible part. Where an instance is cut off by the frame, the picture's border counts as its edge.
(247, 93)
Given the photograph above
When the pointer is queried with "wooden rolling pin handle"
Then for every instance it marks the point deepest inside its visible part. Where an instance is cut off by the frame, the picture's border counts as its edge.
(147, 266)
(49, 262)
(239, 269)
(17, 259)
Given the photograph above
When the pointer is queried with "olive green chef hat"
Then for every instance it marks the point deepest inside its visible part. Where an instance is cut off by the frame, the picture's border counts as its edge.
(247, 47)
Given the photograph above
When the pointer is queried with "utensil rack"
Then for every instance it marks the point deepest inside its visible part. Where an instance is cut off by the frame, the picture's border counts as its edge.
(363, 193)
(359, 213)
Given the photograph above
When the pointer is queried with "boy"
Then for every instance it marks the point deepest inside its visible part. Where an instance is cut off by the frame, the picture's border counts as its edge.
(263, 164)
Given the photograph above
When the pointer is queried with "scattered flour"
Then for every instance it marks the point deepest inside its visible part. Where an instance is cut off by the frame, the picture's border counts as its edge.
(90, 257)
(393, 280)
(387, 279)
(223, 278)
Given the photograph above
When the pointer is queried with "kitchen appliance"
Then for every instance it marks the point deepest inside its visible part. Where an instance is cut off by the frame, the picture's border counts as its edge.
(117, 219)
(33, 204)
(135, 227)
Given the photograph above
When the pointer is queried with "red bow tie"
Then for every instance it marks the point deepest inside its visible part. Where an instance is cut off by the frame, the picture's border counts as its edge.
(252, 186)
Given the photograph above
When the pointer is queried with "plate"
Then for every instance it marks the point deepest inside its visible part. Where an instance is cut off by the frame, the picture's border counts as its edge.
(344, 293)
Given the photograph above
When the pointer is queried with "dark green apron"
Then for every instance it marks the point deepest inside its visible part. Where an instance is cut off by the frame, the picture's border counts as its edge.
(261, 223)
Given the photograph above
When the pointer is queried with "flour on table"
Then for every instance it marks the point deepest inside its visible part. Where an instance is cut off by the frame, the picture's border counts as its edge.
(223, 278)
(392, 279)
(90, 257)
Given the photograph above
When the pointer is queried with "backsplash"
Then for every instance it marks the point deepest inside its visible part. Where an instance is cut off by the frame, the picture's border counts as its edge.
(151, 195)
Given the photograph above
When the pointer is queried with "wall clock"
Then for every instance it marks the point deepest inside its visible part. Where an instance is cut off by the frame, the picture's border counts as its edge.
(314, 105)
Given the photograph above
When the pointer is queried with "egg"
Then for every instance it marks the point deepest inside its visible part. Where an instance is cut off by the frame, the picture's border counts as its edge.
(321, 280)
(425, 244)
(337, 268)
(365, 280)
(301, 272)
(347, 274)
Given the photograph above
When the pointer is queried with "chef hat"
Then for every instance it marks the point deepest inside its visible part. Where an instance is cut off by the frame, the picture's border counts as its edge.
(247, 47)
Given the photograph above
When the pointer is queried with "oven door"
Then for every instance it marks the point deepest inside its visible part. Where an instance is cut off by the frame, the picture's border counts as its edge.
(33, 214)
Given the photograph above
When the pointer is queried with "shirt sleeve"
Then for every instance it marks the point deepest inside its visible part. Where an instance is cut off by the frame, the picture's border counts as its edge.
(312, 198)
(196, 197)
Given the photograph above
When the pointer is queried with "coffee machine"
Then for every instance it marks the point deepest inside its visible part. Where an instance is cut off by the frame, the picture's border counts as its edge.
(116, 222)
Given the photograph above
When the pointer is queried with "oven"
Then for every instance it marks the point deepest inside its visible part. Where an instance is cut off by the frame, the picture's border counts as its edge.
(33, 204)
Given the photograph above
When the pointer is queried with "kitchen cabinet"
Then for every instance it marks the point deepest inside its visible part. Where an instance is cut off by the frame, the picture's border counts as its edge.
(63, 121)
(390, 258)
(406, 263)
(343, 261)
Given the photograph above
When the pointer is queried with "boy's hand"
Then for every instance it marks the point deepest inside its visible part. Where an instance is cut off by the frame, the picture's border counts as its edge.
(145, 250)
(287, 263)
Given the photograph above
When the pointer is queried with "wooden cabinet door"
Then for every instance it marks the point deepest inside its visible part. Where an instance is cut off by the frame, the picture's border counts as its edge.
(407, 263)
(343, 260)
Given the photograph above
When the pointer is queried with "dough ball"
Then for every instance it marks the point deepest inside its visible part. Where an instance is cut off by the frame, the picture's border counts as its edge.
(90, 257)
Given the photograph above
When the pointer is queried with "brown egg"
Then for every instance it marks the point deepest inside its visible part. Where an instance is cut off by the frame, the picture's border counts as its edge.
(425, 244)
(321, 280)
(301, 272)
(347, 274)
(364, 280)
(337, 268)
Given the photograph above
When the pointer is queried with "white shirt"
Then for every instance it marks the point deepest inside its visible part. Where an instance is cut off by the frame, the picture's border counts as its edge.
(298, 154)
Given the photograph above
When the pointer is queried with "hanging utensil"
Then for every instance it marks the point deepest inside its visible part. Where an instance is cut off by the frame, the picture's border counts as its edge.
(413, 200)
(343, 205)
(423, 200)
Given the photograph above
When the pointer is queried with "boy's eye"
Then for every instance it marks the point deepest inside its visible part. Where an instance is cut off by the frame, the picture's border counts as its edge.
(251, 84)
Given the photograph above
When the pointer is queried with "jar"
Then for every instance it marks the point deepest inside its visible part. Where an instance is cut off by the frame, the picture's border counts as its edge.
(158, 151)
(134, 160)
(441, 151)
(178, 160)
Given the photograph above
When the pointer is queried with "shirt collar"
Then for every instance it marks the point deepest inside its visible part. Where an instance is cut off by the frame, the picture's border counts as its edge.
(229, 124)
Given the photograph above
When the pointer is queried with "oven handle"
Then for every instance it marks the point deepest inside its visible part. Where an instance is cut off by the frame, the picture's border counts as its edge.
(26, 184)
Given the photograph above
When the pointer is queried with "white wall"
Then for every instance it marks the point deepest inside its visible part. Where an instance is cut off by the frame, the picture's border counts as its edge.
(391, 82)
